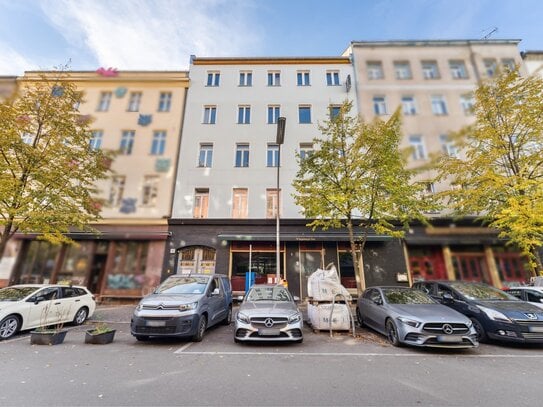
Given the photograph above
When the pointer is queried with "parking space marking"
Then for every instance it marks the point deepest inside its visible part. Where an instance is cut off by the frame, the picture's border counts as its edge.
(182, 348)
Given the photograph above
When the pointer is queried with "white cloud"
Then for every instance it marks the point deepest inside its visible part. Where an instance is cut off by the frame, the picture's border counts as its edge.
(12, 62)
(154, 34)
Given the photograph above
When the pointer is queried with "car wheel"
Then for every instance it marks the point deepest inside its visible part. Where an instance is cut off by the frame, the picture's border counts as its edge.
(359, 317)
(80, 316)
(228, 319)
(202, 325)
(142, 337)
(481, 334)
(9, 326)
(392, 333)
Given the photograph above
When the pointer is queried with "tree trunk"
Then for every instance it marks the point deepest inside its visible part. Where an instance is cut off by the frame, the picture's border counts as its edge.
(4, 238)
(357, 262)
(538, 264)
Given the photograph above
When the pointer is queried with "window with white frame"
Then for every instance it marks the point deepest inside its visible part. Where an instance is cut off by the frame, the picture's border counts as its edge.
(134, 102)
(213, 78)
(334, 111)
(274, 111)
(448, 146)
(201, 203)
(490, 66)
(105, 100)
(272, 155)
(244, 114)
(165, 101)
(210, 114)
(467, 102)
(439, 106)
(272, 203)
(304, 114)
(306, 150)
(402, 70)
(332, 78)
(150, 190)
(158, 145)
(375, 70)
(27, 138)
(116, 190)
(508, 63)
(409, 107)
(95, 142)
(205, 156)
(127, 141)
(274, 78)
(417, 146)
(245, 78)
(458, 69)
(379, 105)
(430, 70)
(242, 155)
(239, 203)
(429, 188)
(302, 78)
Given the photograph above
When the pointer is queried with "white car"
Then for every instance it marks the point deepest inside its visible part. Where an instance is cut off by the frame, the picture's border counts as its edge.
(530, 294)
(31, 306)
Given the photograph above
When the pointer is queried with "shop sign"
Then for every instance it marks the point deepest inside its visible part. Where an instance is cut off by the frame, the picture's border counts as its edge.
(162, 164)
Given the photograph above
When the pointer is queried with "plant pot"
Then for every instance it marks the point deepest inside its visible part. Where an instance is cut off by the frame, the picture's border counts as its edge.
(47, 337)
(99, 338)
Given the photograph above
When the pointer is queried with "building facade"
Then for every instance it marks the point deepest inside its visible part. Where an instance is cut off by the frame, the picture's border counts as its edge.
(138, 115)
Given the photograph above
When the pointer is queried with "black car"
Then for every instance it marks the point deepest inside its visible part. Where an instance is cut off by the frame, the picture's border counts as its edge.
(495, 314)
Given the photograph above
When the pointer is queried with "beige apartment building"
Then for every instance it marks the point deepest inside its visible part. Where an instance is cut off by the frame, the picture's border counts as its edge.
(139, 115)
(432, 82)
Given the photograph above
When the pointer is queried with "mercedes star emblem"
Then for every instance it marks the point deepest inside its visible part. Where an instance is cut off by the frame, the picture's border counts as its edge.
(448, 329)
(268, 322)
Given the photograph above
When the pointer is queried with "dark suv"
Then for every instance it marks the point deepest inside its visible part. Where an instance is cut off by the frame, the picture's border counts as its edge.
(184, 305)
(495, 314)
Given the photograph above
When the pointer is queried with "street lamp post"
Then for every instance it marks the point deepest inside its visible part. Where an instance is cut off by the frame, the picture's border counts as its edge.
(281, 122)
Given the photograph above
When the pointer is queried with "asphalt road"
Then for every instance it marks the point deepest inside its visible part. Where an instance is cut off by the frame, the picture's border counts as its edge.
(322, 371)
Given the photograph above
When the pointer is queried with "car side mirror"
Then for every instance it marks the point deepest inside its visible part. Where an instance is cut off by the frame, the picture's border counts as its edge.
(39, 299)
(378, 301)
(215, 292)
(296, 298)
(447, 298)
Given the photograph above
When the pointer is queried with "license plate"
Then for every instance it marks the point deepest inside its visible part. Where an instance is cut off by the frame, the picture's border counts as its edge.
(442, 338)
(269, 332)
(155, 323)
(535, 328)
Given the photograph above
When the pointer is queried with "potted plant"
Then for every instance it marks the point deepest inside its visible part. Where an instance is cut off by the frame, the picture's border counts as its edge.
(100, 335)
(49, 334)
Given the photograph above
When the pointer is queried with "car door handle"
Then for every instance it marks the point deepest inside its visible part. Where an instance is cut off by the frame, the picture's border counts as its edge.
(57, 303)
(77, 300)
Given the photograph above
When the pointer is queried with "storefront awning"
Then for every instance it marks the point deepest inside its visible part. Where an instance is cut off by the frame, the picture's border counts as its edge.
(300, 237)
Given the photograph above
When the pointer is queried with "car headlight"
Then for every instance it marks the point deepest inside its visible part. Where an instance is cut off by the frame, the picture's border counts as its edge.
(294, 318)
(139, 307)
(410, 322)
(469, 323)
(241, 317)
(493, 314)
(188, 307)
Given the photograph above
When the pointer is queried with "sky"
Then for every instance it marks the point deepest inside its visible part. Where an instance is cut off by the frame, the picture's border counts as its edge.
(162, 34)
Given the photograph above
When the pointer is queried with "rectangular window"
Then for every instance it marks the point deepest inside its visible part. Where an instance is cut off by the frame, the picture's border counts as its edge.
(490, 67)
(375, 70)
(430, 70)
(409, 107)
(134, 102)
(272, 157)
(246, 78)
(150, 190)
(508, 63)
(239, 203)
(379, 105)
(213, 78)
(332, 78)
(127, 141)
(210, 114)
(306, 150)
(439, 106)
(429, 188)
(158, 145)
(205, 158)
(274, 78)
(402, 70)
(105, 100)
(242, 155)
(95, 142)
(416, 143)
(334, 111)
(116, 190)
(302, 78)
(458, 69)
(271, 203)
(244, 114)
(27, 138)
(273, 114)
(304, 114)
(165, 101)
(447, 146)
(201, 203)
(467, 102)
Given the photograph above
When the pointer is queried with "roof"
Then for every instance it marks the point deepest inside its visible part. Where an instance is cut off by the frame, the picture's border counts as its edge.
(268, 60)
(411, 43)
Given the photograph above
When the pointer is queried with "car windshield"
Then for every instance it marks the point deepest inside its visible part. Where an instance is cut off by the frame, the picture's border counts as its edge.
(481, 292)
(183, 285)
(15, 293)
(268, 294)
(406, 296)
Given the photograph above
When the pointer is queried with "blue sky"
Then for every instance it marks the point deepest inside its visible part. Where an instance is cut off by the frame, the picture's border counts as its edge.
(162, 34)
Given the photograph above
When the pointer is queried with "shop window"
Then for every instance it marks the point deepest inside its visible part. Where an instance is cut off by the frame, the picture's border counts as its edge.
(38, 263)
(76, 264)
(128, 268)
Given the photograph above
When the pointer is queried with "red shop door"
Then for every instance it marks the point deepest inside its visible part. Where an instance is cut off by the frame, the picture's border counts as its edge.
(428, 267)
